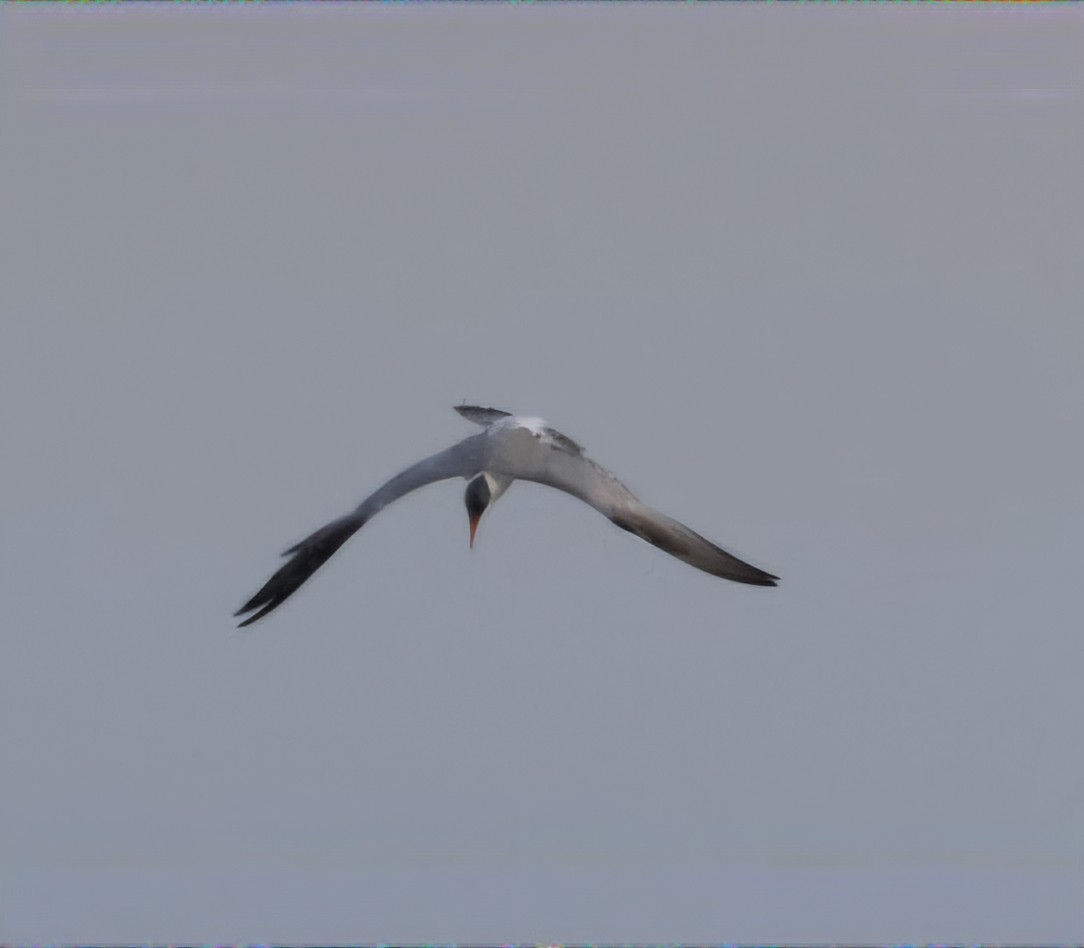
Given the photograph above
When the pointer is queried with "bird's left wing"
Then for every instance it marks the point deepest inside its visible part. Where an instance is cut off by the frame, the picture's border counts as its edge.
(575, 473)
(310, 554)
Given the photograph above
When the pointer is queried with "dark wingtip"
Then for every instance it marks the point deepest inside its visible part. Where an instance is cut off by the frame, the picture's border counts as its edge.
(252, 618)
(254, 603)
(248, 606)
(755, 577)
(307, 557)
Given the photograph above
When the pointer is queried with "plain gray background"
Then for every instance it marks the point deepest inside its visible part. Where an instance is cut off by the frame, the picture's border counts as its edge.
(807, 278)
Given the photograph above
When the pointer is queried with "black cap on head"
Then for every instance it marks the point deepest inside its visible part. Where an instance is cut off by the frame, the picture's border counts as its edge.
(477, 497)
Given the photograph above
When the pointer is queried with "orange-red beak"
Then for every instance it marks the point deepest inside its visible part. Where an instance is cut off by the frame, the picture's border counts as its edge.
(473, 527)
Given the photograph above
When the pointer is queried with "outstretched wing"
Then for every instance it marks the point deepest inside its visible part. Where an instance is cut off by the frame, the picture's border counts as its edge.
(481, 416)
(577, 474)
(311, 553)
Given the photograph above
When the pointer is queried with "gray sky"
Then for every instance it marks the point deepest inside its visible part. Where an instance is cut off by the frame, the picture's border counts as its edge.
(808, 279)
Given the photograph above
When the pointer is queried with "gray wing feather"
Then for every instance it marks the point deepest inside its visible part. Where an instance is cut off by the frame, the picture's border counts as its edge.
(563, 442)
(316, 549)
(578, 475)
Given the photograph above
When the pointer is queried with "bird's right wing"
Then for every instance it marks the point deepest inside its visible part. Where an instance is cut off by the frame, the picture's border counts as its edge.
(311, 553)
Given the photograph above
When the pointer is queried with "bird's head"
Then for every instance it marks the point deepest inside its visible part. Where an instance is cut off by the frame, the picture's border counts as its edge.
(482, 492)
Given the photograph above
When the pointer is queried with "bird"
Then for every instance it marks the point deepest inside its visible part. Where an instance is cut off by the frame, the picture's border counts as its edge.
(509, 448)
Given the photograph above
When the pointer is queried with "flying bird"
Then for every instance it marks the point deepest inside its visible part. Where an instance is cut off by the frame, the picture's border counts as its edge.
(509, 448)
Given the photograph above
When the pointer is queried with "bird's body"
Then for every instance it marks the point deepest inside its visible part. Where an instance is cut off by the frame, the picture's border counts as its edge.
(509, 448)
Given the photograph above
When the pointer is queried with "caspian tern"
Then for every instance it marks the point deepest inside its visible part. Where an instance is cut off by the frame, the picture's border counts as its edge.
(510, 448)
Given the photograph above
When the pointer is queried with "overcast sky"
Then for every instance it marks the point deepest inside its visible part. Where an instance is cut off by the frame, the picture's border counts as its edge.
(808, 279)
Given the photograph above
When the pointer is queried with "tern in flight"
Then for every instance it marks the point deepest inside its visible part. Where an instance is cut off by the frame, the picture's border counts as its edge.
(509, 448)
